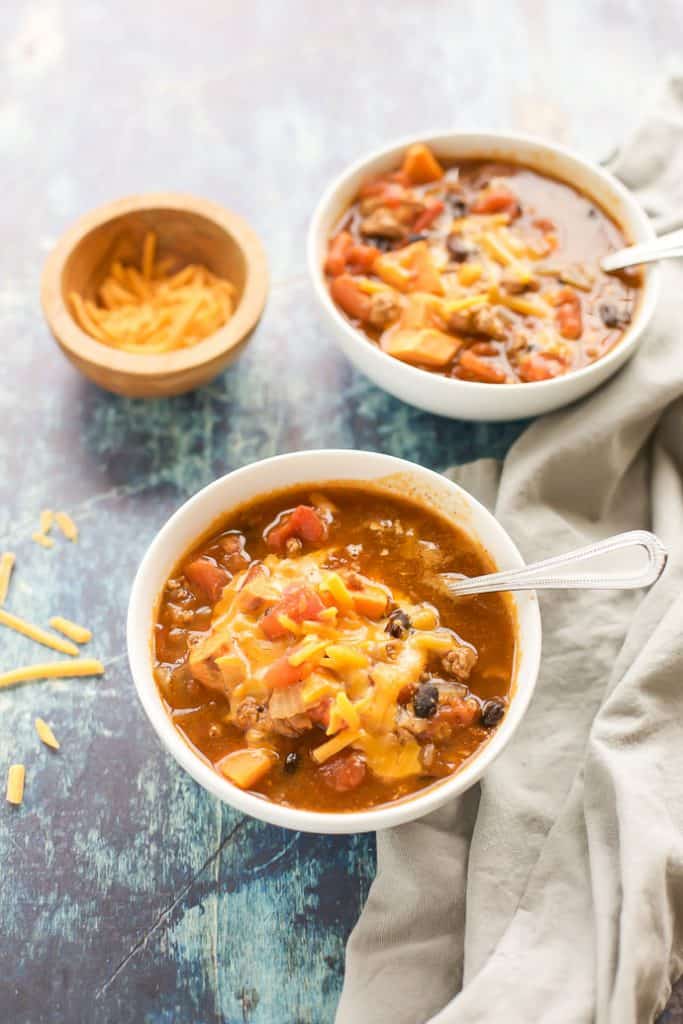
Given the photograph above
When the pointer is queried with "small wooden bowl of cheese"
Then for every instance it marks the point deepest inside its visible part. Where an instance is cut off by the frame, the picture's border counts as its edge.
(154, 295)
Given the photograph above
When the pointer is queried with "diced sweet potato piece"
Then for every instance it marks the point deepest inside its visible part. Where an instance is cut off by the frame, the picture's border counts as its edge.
(245, 767)
(371, 601)
(426, 347)
(390, 269)
(420, 165)
(427, 278)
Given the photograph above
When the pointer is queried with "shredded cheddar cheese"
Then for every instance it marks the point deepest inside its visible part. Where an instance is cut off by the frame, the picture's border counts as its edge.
(6, 566)
(46, 734)
(77, 633)
(15, 783)
(327, 750)
(41, 636)
(151, 310)
(40, 538)
(66, 525)
(52, 670)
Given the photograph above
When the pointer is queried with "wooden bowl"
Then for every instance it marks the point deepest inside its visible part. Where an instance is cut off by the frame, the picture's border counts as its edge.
(188, 229)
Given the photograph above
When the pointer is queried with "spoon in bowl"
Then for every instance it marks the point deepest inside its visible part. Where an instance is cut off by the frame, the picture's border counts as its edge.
(665, 247)
(556, 573)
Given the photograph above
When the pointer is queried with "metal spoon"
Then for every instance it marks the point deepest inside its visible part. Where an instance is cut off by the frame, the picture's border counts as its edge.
(665, 247)
(549, 574)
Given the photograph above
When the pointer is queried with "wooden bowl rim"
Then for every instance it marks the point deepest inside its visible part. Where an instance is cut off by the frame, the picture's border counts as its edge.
(163, 364)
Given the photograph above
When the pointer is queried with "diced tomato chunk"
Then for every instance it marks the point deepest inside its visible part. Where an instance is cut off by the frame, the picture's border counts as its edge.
(206, 574)
(391, 193)
(568, 314)
(344, 772)
(298, 603)
(497, 199)
(338, 253)
(362, 257)
(346, 293)
(474, 368)
(304, 522)
(428, 215)
(281, 674)
(536, 366)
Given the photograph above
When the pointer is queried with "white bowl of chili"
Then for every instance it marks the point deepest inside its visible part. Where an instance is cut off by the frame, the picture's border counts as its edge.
(430, 492)
(617, 218)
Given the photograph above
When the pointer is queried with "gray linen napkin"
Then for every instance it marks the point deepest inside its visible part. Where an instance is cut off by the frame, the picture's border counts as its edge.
(554, 892)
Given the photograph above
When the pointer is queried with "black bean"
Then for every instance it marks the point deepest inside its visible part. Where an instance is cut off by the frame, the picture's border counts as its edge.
(458, 248)
(612, 317)
(379, 242)
(426, 700)
(291, 763)
(420, 237)
(492, 712)
(457, 205)
(398, 624)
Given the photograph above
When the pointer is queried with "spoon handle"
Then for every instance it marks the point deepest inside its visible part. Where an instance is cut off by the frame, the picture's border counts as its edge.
(554, 573)
(661, 248)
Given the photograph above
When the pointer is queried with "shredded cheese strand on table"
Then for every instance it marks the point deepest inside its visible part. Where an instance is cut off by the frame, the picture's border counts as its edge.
(33, 632)
(66, 525)
(46, 734)
(15, 783)
(79, 634)
(52, 670)
(40, 538)
(46, 520)
(6, 566)
(152, 311)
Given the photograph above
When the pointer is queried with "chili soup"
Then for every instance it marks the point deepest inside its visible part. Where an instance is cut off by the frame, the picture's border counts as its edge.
(306, 650)
(478, 270)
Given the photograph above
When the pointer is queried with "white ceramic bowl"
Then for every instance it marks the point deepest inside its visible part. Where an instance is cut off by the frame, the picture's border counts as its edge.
(467, 400)
(194, 517)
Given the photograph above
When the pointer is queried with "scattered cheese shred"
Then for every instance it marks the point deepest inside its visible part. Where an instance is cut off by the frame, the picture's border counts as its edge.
(46, 520)
(40, 538)
(52, 670)
(333, 746)
(6, 566)
(46, 734)
(66, 525)
(41, 636)
(15, 783)
(155, 311)
(310, 650)
(79, 634)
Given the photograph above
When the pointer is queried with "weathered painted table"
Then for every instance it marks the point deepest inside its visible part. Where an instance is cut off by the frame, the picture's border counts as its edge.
(126, 893)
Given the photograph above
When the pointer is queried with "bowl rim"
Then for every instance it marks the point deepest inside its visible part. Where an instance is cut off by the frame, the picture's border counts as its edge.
(383, 361)
(164, 364)
(140, 620)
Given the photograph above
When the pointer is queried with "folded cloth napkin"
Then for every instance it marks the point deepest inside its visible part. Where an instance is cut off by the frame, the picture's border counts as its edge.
(554, 892)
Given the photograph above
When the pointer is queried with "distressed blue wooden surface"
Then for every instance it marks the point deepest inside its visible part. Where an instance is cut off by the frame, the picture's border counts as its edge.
(127, 894)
